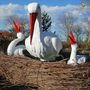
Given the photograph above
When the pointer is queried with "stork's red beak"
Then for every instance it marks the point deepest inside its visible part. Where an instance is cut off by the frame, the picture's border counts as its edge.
(72, 39)
(33, 17)
(16, 26)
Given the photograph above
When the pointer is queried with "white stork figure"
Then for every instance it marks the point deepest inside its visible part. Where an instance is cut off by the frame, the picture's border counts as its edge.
(44, 45)
(13, 48)
(74, 57)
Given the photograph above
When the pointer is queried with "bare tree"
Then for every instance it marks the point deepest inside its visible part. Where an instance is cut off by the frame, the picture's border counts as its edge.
(86, 26)
(24, 23)
(68, 22)
(85, 2)
(78, 31)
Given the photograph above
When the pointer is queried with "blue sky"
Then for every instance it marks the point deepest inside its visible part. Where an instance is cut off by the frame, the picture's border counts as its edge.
(46, 2)
(12, 4)
(55, 8)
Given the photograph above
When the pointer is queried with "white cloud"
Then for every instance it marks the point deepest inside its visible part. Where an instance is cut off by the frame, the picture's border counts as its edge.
(9, 9)
(89, 18)
(73, 9)
(76, 13)
(53, 11)
(58, 8)
(50, 8)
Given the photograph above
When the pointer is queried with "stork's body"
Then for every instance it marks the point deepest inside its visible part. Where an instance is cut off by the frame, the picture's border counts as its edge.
(44, 48)
(44, 45)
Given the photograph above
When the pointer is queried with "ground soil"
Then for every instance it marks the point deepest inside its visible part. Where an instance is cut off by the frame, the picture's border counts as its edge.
(44, 75)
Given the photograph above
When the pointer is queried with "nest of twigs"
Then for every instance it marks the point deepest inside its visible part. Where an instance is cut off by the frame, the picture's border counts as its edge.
(6, 85)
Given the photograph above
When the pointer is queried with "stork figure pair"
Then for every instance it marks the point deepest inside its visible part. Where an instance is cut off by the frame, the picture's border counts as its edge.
(43, 45)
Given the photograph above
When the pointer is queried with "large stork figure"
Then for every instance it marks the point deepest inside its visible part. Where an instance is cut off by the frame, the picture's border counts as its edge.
(44, 45)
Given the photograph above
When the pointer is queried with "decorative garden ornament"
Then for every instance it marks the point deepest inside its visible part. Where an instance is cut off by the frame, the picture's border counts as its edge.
(74, 57)
(44, 45)
(13, 48)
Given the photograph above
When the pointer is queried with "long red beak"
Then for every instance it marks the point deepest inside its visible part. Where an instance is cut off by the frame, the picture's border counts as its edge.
(33, 17)
(72, 39)
(16, 26)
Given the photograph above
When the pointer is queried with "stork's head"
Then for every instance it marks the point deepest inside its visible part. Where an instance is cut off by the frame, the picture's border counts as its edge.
(34, 8)
(72, 40)
(34, 11)
(17, 28)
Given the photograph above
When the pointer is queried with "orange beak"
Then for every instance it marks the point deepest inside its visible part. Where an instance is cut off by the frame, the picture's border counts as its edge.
(33, 17)
(72, 39)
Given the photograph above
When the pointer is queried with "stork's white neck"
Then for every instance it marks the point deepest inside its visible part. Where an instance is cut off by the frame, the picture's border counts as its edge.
(37, 29)
(73, 52)
(12, 46)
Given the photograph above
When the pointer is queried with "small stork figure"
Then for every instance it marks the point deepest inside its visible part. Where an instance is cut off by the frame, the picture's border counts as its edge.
(13, 48)
(74, 57)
